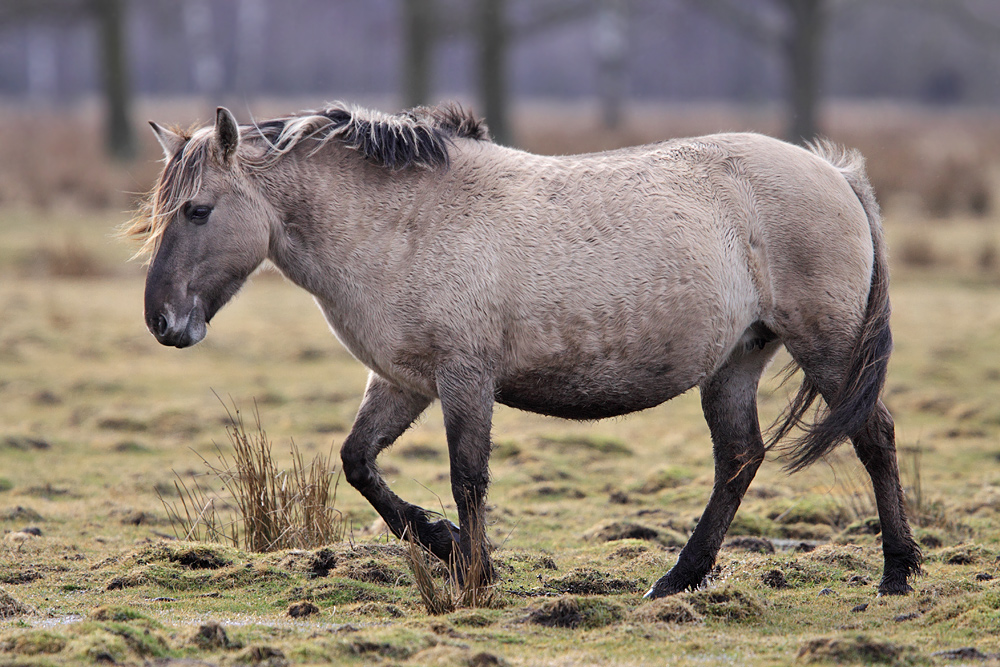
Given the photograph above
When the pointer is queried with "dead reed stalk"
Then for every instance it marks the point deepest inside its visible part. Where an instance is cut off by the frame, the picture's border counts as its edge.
(265, 509)
(467, 584)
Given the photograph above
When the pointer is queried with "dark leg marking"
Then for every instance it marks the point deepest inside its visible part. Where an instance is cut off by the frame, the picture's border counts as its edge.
(467, 404)
(385, 413)
(729, 401)
(876, 447)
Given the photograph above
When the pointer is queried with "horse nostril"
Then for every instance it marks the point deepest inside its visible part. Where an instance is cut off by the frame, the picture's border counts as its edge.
(162, 326)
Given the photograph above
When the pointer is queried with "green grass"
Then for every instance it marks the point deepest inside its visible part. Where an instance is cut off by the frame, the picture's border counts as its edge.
(96, 419)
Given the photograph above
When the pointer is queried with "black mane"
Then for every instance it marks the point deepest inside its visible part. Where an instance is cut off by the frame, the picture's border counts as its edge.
(418, 137)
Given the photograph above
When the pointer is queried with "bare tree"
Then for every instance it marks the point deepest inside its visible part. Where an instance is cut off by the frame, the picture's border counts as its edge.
(418, 51)
(796, 29)
(612, 26)
(492, 33)
(803, 44)
(110, 24)
(119, 135)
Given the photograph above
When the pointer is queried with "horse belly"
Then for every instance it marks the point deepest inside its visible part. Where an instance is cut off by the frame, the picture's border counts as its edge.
(601, 393)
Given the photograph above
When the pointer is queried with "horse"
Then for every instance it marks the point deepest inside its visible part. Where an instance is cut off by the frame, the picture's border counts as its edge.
(581, 286)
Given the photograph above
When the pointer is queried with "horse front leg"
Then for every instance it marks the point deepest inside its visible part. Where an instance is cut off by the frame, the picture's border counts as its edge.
(467, 404)
(385, 413)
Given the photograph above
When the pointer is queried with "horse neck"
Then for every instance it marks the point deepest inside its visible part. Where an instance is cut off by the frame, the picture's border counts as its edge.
(339, 216)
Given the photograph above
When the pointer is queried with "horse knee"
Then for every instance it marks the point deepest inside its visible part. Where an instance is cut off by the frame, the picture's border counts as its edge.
(355, 465)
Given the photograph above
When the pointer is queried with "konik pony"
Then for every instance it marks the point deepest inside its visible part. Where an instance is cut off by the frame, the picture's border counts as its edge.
(582, 286)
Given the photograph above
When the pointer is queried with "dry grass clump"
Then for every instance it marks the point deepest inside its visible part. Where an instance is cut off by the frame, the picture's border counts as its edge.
(11, 607)
(274, 509)
(465, 585)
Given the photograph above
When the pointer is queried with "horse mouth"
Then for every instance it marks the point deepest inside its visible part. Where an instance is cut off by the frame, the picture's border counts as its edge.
(178, 331)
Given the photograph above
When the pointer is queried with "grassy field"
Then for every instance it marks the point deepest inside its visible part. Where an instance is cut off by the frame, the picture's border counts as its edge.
(97, 421)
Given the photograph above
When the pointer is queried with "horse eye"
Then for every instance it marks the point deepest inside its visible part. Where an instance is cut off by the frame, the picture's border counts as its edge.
(197, 214)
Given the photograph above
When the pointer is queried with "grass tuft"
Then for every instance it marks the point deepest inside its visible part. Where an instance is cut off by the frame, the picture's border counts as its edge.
(274, 509)
(466, 582)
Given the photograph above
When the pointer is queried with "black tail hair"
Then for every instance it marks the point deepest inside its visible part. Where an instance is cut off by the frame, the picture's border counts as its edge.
(849, 409)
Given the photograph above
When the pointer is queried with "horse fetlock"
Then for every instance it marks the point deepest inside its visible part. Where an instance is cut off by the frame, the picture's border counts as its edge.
(899, 567)
(441, 537)
(678, 580)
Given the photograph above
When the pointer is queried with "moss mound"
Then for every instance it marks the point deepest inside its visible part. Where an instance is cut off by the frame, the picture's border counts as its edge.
(666, 610)
(570, 611)
(858, 650)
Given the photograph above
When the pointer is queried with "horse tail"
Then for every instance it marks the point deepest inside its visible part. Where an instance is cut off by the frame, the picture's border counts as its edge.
(849, 409)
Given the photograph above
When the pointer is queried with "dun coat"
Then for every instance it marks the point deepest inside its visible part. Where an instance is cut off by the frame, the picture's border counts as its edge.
(582, 286)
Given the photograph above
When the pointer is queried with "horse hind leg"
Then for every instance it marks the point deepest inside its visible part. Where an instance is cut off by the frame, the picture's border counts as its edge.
(876, 447)
(827, 370)
(729, 401)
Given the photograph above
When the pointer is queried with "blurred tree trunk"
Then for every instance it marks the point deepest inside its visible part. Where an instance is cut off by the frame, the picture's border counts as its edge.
(207, 71)
(803, 55)
(251, 36)
(119, 136)
(418, 52)
(612, 25)
(797, 30)
(491, 28)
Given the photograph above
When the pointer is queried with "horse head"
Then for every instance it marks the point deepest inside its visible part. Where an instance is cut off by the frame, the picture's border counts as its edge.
(208, 230)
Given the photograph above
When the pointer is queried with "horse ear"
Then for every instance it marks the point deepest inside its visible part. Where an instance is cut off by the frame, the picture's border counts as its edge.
(227, 134)
(170, 141)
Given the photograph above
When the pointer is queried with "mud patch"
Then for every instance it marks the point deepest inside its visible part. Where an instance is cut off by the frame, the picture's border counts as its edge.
(419, 452)
(380, 610)
(383, 649)
(373, 571)
(26, 444)
(574, 612)
(115, 614)
(858, 650)
(585, 443)
(212, 636)
(200, 558)
(309, 563)
(20, 577)
(546, 491)
(963, 554)
(774, 579)
(471, 619)
(302, 609)
(261, 656)
(848, 558)
(19, 513)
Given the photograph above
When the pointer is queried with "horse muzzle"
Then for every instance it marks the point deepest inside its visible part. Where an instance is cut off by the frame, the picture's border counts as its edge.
(175, 330)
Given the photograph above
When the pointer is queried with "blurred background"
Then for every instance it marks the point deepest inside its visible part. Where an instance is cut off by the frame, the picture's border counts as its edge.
(913, 83)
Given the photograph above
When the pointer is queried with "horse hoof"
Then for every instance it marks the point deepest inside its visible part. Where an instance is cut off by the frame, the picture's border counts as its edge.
(664, 587)
(894, 588)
